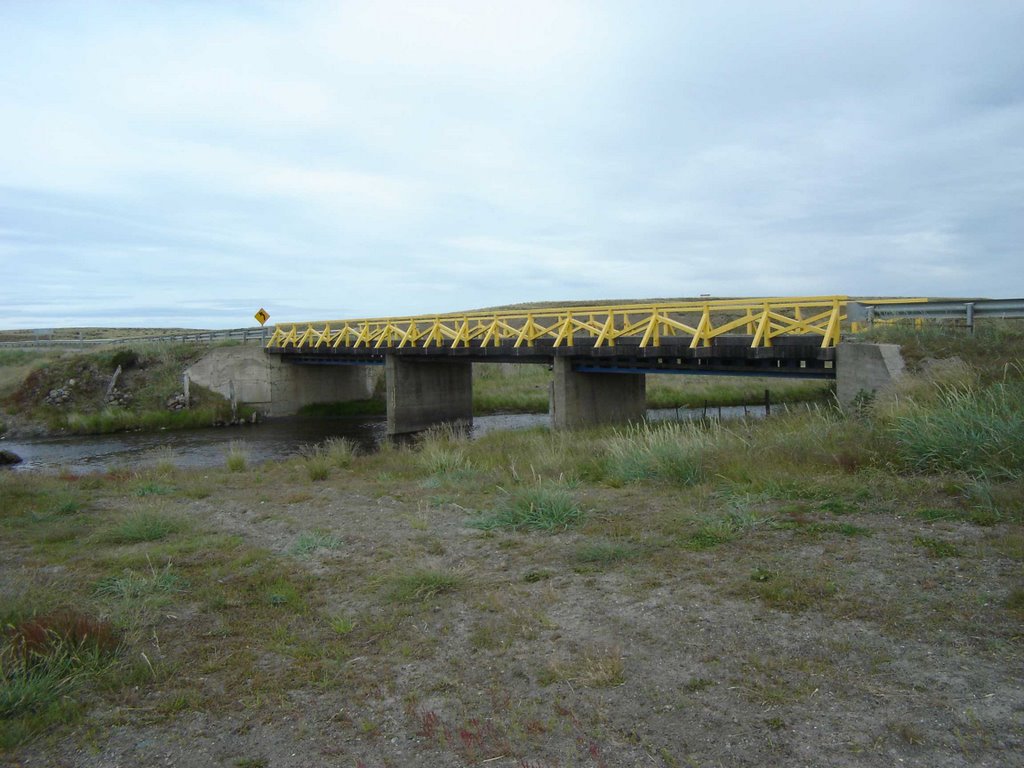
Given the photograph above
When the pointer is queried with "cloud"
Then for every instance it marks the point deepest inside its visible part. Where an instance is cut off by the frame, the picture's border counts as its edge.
(335, 159)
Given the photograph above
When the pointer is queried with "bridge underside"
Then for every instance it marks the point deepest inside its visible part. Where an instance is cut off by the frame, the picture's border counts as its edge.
(433, 385)
(788, 357)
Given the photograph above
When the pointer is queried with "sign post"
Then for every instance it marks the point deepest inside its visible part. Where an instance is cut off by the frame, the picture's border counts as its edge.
(261, 317)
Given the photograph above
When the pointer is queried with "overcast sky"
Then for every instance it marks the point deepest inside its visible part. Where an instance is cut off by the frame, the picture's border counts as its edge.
(185, 163)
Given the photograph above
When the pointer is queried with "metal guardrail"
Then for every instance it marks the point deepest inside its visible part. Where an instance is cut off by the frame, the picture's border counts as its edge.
(244, 335)
(967, 310)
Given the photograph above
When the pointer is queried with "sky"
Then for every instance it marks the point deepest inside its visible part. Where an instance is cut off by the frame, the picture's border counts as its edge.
(184, 163)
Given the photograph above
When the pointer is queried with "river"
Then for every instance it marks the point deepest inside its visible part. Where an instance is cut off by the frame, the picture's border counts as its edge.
(268, 440)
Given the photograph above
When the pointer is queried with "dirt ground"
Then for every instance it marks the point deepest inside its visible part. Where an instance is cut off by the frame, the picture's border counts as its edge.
(793, 645)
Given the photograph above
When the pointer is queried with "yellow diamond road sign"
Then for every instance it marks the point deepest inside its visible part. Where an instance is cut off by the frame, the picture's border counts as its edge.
(262, 316)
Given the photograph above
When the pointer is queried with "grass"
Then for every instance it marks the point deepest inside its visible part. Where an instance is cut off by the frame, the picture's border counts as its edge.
(44, 661)
(748, 569)
(540, 507)
(308, 543)
(111, 420)
(594, 668)
(320, 459)
(134, 585)
(422, 585)
(937, 547)
(791, 590)
(143, 527)
(669, 452)
(977, 431)
(237, 457)
(682, 391)
(604, 554)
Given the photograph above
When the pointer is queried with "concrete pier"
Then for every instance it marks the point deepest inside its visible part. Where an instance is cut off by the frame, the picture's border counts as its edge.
(866, 370)
(425, 393)
(275, 388)
(580, 400)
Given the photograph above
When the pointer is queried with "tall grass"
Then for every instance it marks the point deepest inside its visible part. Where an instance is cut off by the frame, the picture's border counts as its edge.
(442, 451)
(979, 431)
(121, 420)
(237, 458)
(670, 452)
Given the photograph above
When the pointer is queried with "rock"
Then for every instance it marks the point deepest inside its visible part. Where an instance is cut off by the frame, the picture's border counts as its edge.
(177, 403)
(7, 458)
(58, 396)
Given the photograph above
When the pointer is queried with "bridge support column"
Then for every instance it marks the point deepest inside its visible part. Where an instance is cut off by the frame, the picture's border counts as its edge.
(581, 400)
(864, 370)
(424, 393)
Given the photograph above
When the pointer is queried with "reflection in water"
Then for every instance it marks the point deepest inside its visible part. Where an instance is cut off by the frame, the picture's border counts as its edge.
(267, 441)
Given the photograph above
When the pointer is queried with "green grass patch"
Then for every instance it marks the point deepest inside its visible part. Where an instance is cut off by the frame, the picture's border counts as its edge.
(715, 531)
(421, 585)
(937, 547)
(44, 662)
(792, 591)
(282, 593)
(155, 489)
(541, 507)
(681, 391)
(308, 543)
(602, 554)
(143, 526)
(134, 585)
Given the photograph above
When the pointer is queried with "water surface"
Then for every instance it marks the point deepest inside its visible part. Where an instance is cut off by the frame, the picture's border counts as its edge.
(266, 441)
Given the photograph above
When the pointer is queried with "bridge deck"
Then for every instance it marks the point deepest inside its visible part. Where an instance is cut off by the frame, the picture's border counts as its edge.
(793, 356)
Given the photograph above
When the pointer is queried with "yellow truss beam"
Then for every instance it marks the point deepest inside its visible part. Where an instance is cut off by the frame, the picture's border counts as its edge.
(594, 326)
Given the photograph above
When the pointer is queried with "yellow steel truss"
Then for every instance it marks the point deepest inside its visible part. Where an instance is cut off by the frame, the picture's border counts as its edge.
(596, 326)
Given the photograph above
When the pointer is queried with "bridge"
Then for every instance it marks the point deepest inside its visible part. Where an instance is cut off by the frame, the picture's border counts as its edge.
(600, 354)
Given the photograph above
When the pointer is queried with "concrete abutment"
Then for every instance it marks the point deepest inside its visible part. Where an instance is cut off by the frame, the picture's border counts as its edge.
(274, 387)
(864, 370)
